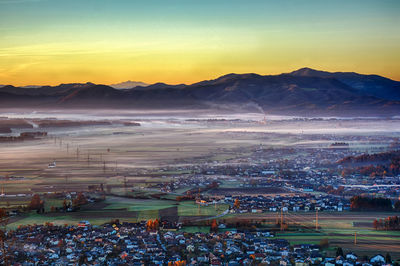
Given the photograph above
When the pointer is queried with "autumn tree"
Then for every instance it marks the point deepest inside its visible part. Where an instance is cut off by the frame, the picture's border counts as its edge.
(65, 205)
(36, 204)
(214, 226)
(236, 205)
(80, 200)
(156, 224)
(376, 224)
(177, 263)
(152, 225)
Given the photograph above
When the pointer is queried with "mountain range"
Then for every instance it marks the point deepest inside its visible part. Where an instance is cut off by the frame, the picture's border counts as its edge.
(304, 91)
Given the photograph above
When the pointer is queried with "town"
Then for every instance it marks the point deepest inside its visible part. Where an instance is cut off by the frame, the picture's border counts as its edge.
(143, 244)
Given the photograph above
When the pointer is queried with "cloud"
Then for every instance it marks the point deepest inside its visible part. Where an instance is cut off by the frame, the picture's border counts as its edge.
(11, 70)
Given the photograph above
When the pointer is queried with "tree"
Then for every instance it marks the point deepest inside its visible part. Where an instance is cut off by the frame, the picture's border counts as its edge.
(65, 205)
(80, 200)
(388, 258)
(397, 205)
(324, 243)
(152, 225)
(149, 225)
(214, 226)
(156, 224)
(236, 205)
(3, 216)
(36, 204)
(376, 224)
(339, 252)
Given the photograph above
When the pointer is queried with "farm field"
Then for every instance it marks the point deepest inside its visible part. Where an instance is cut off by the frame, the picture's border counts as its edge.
(338, 228)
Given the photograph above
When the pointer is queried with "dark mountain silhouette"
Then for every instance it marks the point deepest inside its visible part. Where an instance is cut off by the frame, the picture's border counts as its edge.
(305, 91)
(373, 85)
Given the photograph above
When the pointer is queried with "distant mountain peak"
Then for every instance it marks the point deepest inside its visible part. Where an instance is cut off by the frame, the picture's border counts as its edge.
(306, 71)
(129, 84)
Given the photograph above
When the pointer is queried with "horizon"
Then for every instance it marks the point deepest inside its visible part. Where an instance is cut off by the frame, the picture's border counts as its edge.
(188, 84)
(53, 42)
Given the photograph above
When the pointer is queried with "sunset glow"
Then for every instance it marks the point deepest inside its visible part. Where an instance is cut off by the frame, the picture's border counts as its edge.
(102, 41)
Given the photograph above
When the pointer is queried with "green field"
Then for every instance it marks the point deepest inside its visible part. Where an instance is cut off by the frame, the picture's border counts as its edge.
(137, 204)
(190, 208)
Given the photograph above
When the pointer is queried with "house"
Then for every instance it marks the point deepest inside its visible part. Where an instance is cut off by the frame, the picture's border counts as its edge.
(52, 165)
(377, 260)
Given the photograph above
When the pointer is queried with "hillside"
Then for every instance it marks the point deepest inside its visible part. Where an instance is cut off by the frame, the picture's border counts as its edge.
(305, 91)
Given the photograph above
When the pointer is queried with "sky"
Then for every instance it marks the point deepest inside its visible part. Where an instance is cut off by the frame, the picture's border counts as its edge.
(48, 42)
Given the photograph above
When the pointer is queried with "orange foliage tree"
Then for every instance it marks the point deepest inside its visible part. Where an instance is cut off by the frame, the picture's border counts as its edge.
(236, 205)
(214, 226)
(80, 200)
(36, 203)
(152, 225)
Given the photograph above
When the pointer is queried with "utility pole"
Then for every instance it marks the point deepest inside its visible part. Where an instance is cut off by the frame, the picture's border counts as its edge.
(125, 185)
(77, 153)
(67, 148)
(282, 219)
(316, 220)
(104, 166)
(355, 238)
(66, 183)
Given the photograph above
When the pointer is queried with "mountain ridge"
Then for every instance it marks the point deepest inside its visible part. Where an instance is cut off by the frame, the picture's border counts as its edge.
(302, 91)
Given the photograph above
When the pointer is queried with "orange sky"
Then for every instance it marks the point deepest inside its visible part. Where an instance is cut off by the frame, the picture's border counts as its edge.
(52, 42)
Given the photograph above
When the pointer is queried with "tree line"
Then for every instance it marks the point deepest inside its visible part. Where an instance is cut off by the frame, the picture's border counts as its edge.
(360, 203)
(389, 223)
